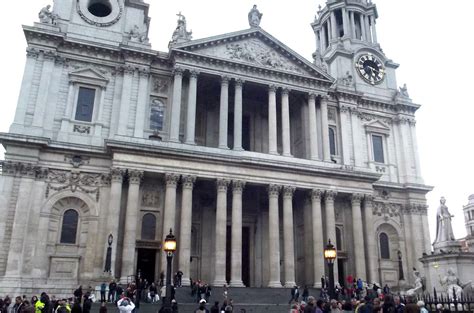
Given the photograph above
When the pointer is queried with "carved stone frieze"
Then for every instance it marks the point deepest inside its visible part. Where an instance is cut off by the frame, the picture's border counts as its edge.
(371, 117)
(160, 85)
(416, 209)
(76, 160)
(151, 197)
(23, 169)
(387, 210)
(82, 129)
(90, 183)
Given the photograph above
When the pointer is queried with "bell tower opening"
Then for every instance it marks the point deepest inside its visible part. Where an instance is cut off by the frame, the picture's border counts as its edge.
(100, 8)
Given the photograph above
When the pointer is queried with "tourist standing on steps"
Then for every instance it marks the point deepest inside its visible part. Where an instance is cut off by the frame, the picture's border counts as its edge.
(112, 290)
(78, 294)
(295, 294)
(87, 304)
(305, 293)
(103, 289)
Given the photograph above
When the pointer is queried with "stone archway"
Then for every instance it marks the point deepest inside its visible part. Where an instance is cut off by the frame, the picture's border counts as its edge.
(388, 245)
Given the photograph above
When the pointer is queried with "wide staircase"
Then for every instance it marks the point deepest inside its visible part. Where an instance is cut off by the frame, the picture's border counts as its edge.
(248, 300)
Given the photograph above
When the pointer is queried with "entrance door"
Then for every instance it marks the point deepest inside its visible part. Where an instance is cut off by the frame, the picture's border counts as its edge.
(245, 255)
(146, 261)
(340, 271)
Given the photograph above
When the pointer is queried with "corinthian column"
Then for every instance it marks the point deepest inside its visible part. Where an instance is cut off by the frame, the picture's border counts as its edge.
(238, 115)
(224, 113)
(370, 239)
(116, 175)
(358, 236)
(272, 120)
(170, 209)
(285, 122)
(221, 233)
(131, 220)
(331, 222)
(185, 227)
(313, 135)
(191, 113)
(274, 236)
(176, 105)
(236, 249)
(318, 242)
(289, 242)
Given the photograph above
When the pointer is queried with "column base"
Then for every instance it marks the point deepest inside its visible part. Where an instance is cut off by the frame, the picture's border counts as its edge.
(123, 280)
(288, 155)
(290, 284)
(318, 285)
(185, 281)
(238, 283)
(192, 143)
(275, 284)
(219, 282)
(273, 152)
(238, 149)
(224, 147)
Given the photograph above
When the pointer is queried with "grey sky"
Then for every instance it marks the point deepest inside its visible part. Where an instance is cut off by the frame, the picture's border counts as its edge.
(428, 38)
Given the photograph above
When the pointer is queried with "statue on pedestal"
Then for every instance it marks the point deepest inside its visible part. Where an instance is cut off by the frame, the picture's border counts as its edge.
(444, 229)
(255, 17)
(137, 36)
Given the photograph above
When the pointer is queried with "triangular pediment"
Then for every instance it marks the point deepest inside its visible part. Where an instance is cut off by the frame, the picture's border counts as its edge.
(377, 126)
(88, 75)
(257, 48)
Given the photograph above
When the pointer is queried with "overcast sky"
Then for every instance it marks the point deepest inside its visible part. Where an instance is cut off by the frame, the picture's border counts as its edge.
(430, 39)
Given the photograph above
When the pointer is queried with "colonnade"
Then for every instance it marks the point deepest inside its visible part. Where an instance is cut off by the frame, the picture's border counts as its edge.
(350, 18)
(321, 200)
(238, 110)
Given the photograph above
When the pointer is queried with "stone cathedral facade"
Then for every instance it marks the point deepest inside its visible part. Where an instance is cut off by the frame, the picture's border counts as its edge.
(252, 155)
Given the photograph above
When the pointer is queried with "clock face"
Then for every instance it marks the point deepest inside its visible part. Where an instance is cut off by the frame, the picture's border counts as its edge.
(370, 68)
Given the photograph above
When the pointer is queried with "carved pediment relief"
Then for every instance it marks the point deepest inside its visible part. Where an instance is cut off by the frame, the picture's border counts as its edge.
(257, 48)
(88, 75)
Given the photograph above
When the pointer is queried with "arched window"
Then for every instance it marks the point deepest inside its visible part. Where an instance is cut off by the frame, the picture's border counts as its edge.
(148, 227)
(332, 141)
(384, 246)
(69, 227)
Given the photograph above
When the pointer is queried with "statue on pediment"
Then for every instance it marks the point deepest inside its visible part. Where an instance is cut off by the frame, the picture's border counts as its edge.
(404, 91)
(181, 34)
(444, 229)
(46, 16)
(255, 17)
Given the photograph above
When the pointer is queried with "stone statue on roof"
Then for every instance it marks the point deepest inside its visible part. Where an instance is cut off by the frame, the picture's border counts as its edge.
(46, 16)
(181, 34)
(255, 17)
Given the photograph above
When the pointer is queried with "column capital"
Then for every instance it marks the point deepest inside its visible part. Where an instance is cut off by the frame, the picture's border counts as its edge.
(239, 82)
(116, 174)
(273, 190)
(188, 181)
(222, 184)
(288, 191)
(285, 91)
(356, 198)
(225, 80)
(317, 194)
(178, 71)
(330, 195)
(194, 73)
(312, 96)
(324, 98)
(171, 179)
(368, 199)
(238, 185)
(272, 88)
(135, 176)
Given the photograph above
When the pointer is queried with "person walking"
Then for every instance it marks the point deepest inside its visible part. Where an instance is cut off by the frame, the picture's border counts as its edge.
(202, 307)
(305, 293)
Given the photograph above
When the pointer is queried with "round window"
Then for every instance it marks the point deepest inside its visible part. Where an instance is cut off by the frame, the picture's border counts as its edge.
(100, 8)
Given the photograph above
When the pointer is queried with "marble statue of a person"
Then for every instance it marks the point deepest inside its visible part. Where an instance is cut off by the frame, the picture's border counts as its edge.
(418, 284)
(255, 17)
(46, 16)
(444, 229)
(181, 33)
(451, 283)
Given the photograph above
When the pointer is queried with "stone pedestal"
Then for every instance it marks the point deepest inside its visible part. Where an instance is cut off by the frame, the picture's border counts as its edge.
(437, 264)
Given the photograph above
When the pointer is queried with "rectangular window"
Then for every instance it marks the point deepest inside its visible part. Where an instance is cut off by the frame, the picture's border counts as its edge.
(157, 114)
(377, 144)
(332, 141)
(85, 104)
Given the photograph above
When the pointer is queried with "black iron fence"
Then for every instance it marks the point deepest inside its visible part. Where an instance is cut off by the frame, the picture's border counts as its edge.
(435, 302)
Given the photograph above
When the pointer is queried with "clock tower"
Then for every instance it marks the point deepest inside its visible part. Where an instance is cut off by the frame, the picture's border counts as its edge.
(347, 46)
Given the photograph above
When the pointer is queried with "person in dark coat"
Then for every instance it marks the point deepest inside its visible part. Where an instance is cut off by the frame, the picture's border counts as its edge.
(87, 304)
(215, 307)
(76, 308)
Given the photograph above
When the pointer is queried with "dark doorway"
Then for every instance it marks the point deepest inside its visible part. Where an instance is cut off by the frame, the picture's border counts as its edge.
(245, 255)
(146, 261)
(246, 131)
(340, 271)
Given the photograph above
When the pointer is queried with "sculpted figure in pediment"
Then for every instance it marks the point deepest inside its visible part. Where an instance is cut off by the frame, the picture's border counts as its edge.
(255, 17)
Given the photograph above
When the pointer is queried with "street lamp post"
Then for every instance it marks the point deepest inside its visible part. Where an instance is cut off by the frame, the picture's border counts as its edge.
(169, 248)
(330, 255)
